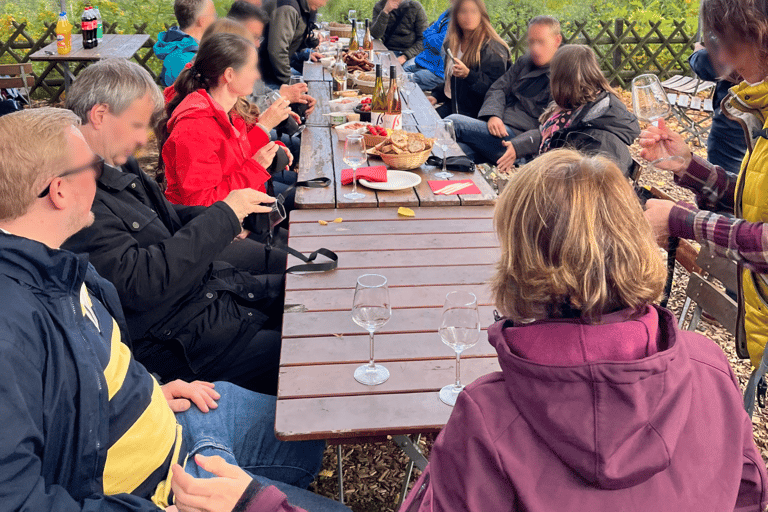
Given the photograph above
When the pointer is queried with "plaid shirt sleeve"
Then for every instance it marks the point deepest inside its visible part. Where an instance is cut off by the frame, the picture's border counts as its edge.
(714, 188)
(735, 239)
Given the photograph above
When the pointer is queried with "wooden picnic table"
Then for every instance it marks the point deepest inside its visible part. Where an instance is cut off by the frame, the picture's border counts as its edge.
(122, 46)
(423, 258)
(321, 156)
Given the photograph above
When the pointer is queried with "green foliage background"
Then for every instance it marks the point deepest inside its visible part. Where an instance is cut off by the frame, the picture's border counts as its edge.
(156, 13)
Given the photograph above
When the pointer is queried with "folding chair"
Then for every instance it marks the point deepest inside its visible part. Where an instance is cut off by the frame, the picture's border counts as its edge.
(712, 299)
(15, 76)
(683, 96)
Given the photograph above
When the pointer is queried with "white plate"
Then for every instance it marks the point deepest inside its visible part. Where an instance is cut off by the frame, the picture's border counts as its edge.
(396, 180)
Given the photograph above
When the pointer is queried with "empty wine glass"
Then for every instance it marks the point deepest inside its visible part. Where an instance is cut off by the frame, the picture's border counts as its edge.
(352, 16)
(649, 101)
(407, 86)
(460, 330)
(354, 156)
(371, 310)
(446, 136)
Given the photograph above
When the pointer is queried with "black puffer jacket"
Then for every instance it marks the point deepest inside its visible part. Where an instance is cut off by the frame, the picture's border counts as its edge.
(604, 126)
(468, 94)
(162, 260)
(401, 30)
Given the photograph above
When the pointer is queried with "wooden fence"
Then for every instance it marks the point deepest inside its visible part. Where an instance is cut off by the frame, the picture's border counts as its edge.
(624, 49)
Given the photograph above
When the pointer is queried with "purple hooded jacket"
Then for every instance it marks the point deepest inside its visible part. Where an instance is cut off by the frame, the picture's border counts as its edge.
(629, 415)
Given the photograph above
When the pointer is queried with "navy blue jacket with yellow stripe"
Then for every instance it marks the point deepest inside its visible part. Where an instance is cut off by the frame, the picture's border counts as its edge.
(57, 417)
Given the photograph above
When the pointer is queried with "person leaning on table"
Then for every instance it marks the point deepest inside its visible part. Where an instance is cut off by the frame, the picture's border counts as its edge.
(602, 403)
(736, 36)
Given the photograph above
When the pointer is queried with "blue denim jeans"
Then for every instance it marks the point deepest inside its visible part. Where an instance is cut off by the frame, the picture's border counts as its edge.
(424, 78)
(476, 141)
(242, 431)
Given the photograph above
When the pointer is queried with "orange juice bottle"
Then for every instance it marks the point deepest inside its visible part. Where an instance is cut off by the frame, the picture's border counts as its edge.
(63, 34)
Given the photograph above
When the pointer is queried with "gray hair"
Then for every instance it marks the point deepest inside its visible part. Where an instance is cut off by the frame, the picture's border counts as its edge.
(550, 21)
(187, 11)
(116, 83)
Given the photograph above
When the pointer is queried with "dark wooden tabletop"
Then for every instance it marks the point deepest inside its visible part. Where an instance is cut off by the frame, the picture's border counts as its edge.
(424, 257)
(122, 46)
(321, 156)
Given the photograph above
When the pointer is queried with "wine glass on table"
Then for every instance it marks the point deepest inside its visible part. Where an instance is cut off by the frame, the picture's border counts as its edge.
(355, 156)
(339, 74)
(650, 104)
(371, 310)
(445, 136)
(407, 87)
(352, 16)
(460, 330)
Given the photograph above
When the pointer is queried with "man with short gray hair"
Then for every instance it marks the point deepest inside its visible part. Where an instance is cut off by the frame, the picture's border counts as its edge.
(178, 45)
(190, 315)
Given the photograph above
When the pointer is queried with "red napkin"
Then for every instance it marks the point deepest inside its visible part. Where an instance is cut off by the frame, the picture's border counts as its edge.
(438, 185)
(373, 173)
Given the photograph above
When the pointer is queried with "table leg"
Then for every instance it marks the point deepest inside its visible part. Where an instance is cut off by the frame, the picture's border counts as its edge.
(67, 75)
(340, 470)
(411, 445)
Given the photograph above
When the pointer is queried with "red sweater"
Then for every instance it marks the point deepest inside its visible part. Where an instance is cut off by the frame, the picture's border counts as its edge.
(206, 156)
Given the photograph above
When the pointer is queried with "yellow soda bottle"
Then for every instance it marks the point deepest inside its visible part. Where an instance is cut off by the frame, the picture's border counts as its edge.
(63, 34)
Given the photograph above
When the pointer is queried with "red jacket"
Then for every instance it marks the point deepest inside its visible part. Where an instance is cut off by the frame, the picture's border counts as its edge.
(631, 415)
(206, 156)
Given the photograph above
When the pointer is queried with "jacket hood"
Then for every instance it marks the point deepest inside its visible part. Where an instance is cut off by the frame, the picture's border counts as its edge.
(607, 112)
(609, 413)
(172, 40)
(33, 264)
(199, 105)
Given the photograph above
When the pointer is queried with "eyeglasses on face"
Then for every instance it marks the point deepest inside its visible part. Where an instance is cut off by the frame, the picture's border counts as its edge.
(97, 165)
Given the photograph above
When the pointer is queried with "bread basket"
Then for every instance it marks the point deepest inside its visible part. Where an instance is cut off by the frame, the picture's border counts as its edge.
(372, 140)
(340, 29)
(405, 161)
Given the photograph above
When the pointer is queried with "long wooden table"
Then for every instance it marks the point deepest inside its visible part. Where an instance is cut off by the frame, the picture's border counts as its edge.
(321, 156)
(424, 258)
(121, 46)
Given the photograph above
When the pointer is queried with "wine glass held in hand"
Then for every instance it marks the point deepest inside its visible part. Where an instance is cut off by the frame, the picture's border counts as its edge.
(649, 101)
(460, 330)
(354, 156)
(445, 137)
(371, 310)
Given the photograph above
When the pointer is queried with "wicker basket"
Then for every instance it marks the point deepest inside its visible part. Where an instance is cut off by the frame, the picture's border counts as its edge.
(340, 29)
(372, 140)
(405, 161)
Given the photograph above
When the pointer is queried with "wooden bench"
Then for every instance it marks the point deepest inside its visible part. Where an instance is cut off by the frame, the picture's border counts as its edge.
(17, 76)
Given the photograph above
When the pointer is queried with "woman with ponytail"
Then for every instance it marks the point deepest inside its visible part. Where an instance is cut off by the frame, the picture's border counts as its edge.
(209, 130)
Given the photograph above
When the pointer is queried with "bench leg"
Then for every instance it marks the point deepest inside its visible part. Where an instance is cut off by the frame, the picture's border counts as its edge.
(751, 389)
(695, 319)
(340, 469)
(683, 314)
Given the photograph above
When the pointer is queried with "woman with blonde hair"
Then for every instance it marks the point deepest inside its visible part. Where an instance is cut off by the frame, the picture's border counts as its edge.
(475, 57)
(586, 113)
(602, 403)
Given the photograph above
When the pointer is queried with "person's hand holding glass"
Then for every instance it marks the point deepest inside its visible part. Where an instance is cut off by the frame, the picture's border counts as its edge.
(354, 156)
(371, 310)
(445, 135)
(460, 330)
(666, 150)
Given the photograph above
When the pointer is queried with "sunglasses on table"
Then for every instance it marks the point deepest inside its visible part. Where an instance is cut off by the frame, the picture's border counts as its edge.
(97, 165)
